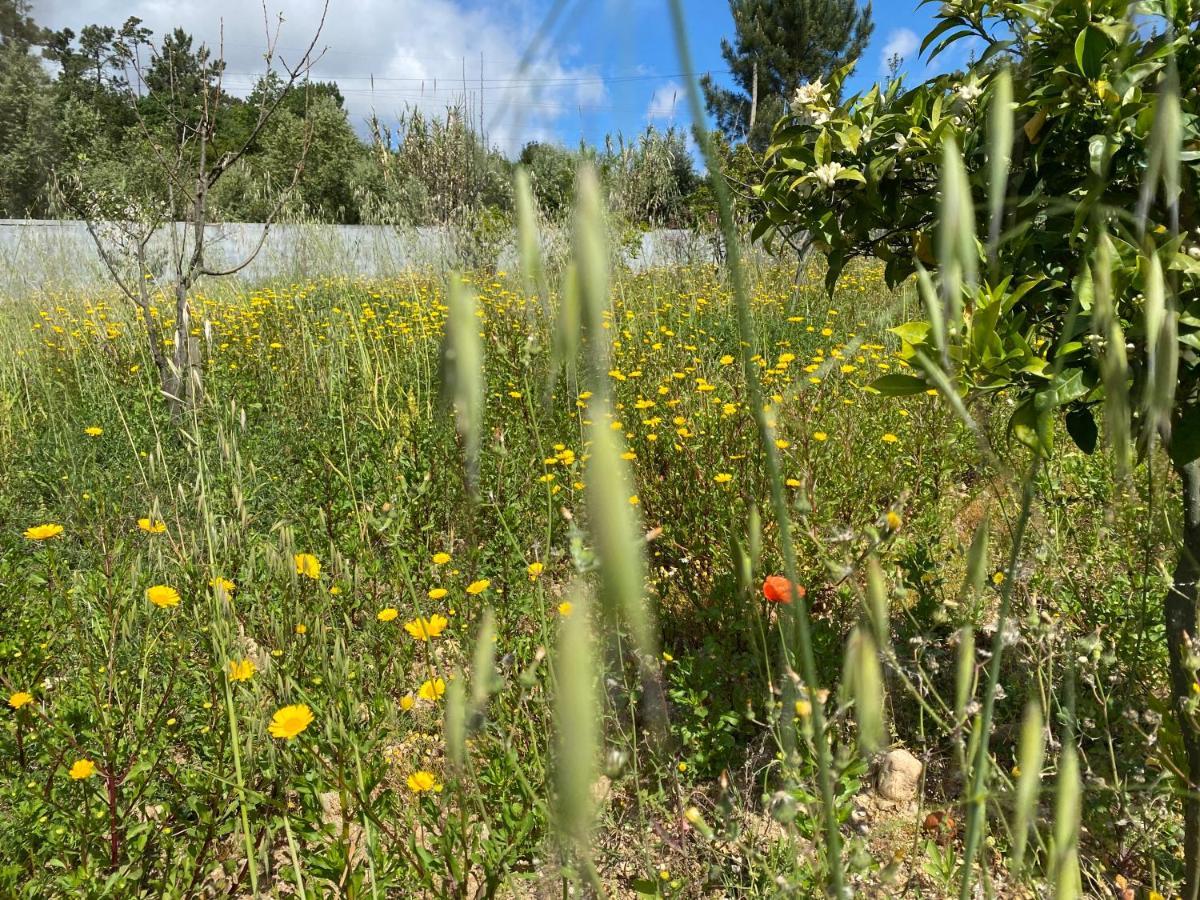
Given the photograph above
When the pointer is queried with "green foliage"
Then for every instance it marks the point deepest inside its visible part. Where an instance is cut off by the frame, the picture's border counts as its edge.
(320, 432)
(782, 45)
(438, 171)
(648, 181)
(742, 168)
(1046, 201)
(72, 142)
(1085, 178)
(551, 171)
(27, 141)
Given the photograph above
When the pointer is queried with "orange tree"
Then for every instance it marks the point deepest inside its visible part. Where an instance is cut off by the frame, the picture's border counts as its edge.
(1047, 199)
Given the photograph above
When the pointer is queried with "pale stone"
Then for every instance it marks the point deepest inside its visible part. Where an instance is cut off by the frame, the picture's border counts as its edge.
(898, 776)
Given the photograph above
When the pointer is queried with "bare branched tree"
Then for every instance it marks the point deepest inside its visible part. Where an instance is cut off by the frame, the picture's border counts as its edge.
(178, 131)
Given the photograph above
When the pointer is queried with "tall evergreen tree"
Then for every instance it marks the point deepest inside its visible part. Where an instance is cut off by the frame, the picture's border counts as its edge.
(27, 140)
(781, 44)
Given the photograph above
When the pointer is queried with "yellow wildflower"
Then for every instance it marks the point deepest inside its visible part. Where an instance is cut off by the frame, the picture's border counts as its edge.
(163, 596)
(307, 565)
(241, 669)
(43, 532)
(419, 782)
(424, 629)
(289, 721)
(432, 689)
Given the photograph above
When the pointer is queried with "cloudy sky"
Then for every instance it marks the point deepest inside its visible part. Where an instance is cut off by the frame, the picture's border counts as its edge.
(608, 66)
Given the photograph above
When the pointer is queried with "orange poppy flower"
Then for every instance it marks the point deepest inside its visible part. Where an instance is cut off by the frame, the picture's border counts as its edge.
(778, 589)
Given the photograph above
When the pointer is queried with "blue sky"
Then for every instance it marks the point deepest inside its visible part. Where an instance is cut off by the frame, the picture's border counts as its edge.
(611, 65)
(631, 41)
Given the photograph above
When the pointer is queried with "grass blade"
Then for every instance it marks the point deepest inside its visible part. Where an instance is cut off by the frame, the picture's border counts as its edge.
(463, 371)
(576, 720)
(1029, 781)
(1000, 142)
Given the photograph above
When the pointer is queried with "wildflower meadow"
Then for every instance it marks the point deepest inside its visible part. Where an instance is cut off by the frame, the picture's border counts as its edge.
(231, 646)
(854, 556)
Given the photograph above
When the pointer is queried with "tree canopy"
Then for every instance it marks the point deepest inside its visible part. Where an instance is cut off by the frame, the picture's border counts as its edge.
(780, 45)
(1046, 199)
(87, 124)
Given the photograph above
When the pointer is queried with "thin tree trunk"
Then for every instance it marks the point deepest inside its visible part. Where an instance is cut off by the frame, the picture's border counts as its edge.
(1180, 613)
(754, 98)
(153, 331)
(185, 375)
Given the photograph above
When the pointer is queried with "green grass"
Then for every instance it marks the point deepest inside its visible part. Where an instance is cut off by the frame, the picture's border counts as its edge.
(327, 428)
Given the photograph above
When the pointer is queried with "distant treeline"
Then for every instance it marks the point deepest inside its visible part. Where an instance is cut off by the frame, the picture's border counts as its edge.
(83, 115)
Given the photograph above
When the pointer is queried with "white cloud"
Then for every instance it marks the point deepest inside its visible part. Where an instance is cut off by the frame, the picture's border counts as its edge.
(901, 42)
(665, 103)
(417, 51)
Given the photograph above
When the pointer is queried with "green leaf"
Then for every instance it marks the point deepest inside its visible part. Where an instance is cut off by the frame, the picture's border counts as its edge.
(911, 332)
(937, 32)
(863, 683)
(957, 36)
(850, 137)
(1064, 389)
(1032, 428)
(822, 152)
(1185, 437)
(897, 385)
(1000, 138)
(1081, 425)
(1029, 755)
(1181, 262)
(1090, 47)
(646, 887)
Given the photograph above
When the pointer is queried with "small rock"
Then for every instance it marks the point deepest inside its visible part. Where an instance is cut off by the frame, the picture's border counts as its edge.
(898, 776)
(601, 789)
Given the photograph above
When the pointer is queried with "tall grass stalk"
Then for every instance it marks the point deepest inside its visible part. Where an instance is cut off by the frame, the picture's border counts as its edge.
(798, 637)
(576, 723)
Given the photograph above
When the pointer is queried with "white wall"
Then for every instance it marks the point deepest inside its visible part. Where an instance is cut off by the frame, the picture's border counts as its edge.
(44, 256)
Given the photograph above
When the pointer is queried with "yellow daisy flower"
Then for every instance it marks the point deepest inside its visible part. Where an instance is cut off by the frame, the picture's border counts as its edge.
(424, 629)
(163, 596)
(432, 689)
(419, 782)
(43, 532)
(289, 721)
(241, 669)
(307, 565)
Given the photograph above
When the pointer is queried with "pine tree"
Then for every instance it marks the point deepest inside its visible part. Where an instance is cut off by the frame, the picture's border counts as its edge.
(781, 44)
(27, 136)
